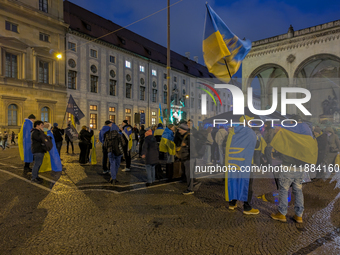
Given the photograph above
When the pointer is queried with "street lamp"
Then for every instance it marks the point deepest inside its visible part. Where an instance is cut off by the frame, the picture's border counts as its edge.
(186, 96)
(58, 55)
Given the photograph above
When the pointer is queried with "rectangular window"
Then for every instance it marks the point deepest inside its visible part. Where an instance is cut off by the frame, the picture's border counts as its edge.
(128, 111)
(44, 37)
(153, 113)
(142, 93)
(128, 118)
(93, 53)
(183, 81)
(112, 118)
(175, 99)
(43, 5)
(192, 103)
(93, 108)
(11, 66)
(94, 83)
(154, 95)
(93, 120)
(141, 69)
(11, 27)
(72, 79)
(153, 121)
(154, 72)
(128, 90)
(112, 59)
(112, 109)
(127, 64)
(165, 97)
(43, 72)
(175, 79)
(199, 104)
(113, 87)
(165, 76)
(71, 46)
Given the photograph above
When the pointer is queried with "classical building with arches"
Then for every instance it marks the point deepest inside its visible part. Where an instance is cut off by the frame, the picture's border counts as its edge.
(308, 58)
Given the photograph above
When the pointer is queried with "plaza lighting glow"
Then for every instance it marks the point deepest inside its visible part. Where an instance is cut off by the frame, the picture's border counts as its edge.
(59, 56)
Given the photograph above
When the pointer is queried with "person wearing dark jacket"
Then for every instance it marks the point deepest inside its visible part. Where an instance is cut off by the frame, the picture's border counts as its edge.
(102, 133)
(68, 141)
(127, 136)
(58, 136)
(141, 139)
(37, 149)
(188, 157)
(85, 145)
(13, 138)
(150, 152)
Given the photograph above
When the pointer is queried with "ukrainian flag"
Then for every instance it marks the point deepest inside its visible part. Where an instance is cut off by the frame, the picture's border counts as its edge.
(127, 131)
(167, 142)
(93, 157)
(296, 142)
(51, 161)
(239, 153)
(160, 115)
(24, 141)
(221, 44)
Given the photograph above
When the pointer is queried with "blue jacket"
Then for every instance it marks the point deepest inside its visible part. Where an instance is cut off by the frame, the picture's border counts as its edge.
(102, 132)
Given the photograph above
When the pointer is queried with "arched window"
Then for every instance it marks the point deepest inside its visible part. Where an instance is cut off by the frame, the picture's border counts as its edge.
(12, 115)
(45, 114)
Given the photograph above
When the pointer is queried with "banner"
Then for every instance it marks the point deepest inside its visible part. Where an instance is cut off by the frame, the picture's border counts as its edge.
(73, 108)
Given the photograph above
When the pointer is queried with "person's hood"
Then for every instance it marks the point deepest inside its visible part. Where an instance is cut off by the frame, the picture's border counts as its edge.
(330, 130)
(105, 129)
(149, 132)
(114, 127)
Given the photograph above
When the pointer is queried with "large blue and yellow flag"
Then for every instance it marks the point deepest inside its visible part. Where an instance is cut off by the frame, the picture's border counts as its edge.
(93, 156)
(51, 161)
(167, 142)
(220, 45)
(239, 153)
(297, 142)
(160, 115)
(24, 141)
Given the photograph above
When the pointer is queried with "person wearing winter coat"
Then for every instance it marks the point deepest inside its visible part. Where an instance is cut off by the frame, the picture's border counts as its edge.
(141, 139)
(135, 133)
(85, 145)
(150, 152)
(219, 138)
(103, 131)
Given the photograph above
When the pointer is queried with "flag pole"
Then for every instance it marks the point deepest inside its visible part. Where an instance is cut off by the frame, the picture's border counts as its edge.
(168, 67)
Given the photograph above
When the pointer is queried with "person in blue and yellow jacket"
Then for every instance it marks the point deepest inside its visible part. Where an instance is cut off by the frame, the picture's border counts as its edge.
(24, 142)
(127, 136)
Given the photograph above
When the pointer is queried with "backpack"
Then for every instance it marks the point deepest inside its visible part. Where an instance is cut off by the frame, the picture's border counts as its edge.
(113, 142)
(47, 142)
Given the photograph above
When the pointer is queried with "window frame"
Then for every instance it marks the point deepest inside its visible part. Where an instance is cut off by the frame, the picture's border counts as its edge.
(11, 65)
(154, 96)
(92, 51)
(153, 72)
(41, 5)
(113, 83)
(94, 78)
(47, 72)
(93, 120)
(43, 118)
(73, 78)
(165, 97)
(127, 64)
(10, 26)
(128, 88)
(142, 68)
(69, 46)
(93, 107)
(14, 122)
(44, 37)
(141, 93)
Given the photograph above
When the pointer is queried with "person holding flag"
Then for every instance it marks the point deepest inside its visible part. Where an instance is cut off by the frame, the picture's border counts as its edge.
(24, 142)
(127, 136)
(167, 145)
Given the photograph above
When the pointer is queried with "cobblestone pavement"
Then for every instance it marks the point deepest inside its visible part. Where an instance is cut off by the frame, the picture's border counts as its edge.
(83, 214)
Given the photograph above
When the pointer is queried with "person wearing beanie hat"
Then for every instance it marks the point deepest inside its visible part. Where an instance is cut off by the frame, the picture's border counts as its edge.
(58, 136)
(24, 143)
(105, 129)
(127, 136)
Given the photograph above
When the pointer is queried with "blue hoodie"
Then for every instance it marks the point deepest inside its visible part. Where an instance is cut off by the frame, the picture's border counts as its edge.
(114, 127)
(102, 132)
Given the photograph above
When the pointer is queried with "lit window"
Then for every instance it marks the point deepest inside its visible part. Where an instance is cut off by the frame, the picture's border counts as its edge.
(112, 59)
(128, 111)
(127, 64)
(128, 90)
(44, 114)
(153, 113)
(44, 37)
(154, 72)
(43, 72)
(11, 27)
(72, 79)
(11, 65)
(94, 83)
(142, 93)
(112, 109)
(93, 107)
(128, 118)
(153, 121)
(12, 115)
(113, 87)
(43, 5)
(71, 46)
(93, 121)
(93, 53)
(154, 95)
(141, 69)
(112, 118)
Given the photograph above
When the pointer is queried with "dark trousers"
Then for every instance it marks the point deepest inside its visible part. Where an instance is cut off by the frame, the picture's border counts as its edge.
(12, 141)
(189, 173)
(38, 159)
(67, 143)
(84, 153)
(246, 204)
(58, 145)
(268, 154)
(127, 156)
(140, 147)
(105, 157)
(257, 158)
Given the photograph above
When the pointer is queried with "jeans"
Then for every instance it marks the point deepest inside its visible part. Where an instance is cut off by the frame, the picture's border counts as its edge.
(207, 153)
(268, 154)
(220, 150)
(38, 159)
(189, 166)
(134, 146)
(285, 180)
(58, 145)
(140, 147)
(150, 173)
(114, 164)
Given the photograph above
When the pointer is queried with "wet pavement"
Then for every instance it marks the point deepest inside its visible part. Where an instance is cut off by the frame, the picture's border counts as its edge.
(81, 213)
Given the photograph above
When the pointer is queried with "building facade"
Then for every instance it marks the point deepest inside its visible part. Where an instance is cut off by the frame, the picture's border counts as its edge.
(32, 79)
(123, 73)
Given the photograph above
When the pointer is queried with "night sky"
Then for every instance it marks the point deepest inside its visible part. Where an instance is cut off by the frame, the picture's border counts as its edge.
(253, 19)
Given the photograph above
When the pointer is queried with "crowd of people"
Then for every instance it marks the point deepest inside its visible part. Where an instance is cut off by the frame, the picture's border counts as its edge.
(4, 139)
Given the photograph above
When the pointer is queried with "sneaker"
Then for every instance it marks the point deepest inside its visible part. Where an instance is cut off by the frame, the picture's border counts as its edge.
(232, 207)
(106, 171)
(27, 169)
(36, 181)
(252, 211)
(298, 219)
(279, 216)
(126, 170)
(148, 184)
(188, 192)
(40, 179)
